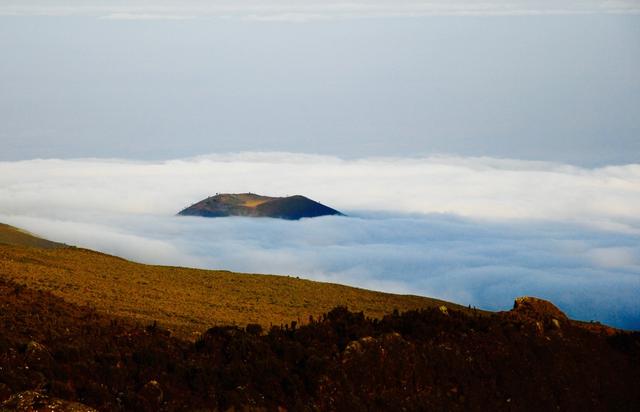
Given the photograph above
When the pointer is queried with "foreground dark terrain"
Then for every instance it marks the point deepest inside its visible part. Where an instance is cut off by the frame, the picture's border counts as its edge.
(531, 358)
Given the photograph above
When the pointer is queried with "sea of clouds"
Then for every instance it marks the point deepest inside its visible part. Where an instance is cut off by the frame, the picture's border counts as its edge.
(477, 231)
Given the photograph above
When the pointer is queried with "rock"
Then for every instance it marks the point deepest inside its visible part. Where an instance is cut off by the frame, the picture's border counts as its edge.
(32, 401)
(37, 356)
(543, 314)
(152, 393)
(367, 340)
(538, 309)
(357, 347)
(353, 347)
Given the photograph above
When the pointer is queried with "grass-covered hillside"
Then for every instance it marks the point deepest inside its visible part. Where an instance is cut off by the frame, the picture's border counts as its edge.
(10, 235)
(184, 300)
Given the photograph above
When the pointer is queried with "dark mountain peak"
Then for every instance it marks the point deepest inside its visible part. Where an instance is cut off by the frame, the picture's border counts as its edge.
(252, 205)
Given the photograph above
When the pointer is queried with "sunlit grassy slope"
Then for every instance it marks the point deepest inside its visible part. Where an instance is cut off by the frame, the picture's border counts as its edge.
(187, 300)
(10, 235)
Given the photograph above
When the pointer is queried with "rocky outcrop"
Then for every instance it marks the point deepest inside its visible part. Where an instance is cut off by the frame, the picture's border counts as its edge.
(544, 314)
(538, 309)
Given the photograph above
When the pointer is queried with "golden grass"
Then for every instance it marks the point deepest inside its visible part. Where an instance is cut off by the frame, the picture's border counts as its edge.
(187, 300)
(10, 235)
(253, 203)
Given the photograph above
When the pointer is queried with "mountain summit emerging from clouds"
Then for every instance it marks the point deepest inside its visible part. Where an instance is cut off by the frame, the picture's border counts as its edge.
(253, 205)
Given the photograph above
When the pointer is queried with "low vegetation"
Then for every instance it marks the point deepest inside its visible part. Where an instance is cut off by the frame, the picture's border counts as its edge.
(56, 353)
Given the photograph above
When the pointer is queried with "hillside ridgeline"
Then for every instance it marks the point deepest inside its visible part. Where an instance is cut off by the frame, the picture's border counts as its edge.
(188, 301)
(10, 235)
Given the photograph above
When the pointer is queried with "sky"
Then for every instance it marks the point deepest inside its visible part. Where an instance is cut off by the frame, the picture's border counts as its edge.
(537, 80)
(483, 150)
(298, 10)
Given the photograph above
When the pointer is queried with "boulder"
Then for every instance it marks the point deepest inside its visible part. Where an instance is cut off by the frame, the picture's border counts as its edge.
(538, 309)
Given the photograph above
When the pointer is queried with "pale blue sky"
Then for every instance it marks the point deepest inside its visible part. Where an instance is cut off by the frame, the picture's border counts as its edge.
(552, 87)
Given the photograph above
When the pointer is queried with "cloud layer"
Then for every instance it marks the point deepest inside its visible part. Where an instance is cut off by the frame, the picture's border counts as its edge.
(477, 231)
(302, 10)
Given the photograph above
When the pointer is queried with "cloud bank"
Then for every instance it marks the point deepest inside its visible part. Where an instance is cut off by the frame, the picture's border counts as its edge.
(477, 231)
(301, 10)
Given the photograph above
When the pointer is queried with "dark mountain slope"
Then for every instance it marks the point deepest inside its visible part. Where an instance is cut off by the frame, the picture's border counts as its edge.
(434, 359)
(252, 205)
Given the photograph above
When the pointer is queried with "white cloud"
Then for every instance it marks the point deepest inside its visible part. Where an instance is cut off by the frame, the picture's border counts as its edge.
(478, 231)
(484, 188)
(302, 10)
